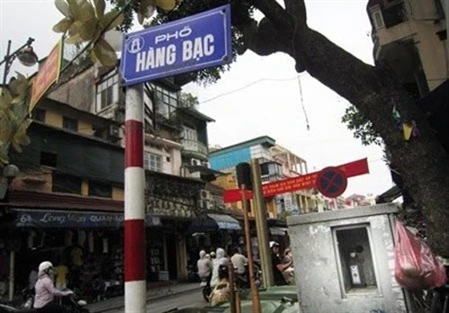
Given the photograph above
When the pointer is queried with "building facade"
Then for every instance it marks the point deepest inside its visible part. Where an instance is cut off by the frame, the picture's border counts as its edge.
(175, 158)
(69, 194)
(410, 36)
(277, 163)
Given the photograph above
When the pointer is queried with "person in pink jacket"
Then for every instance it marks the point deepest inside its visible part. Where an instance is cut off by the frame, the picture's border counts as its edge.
(46, 291)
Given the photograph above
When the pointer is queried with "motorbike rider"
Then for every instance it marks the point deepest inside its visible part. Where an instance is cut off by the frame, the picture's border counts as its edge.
(221, 259)
(205, 267)
(278, 266)
(45, 291)
(240, 262)
(221, 293)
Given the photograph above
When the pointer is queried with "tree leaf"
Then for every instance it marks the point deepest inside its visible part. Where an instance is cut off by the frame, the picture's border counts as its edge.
(19, 85)
(86, 10)
(19, 99)
(63, 25)
(111, 17)
(100, 5)
(105, 53)
(5, 98)
(74, 33)
(16, 146)
(63, 7)
(146, 9)
(88, 29)
(73, 6)
(22, 139)
(5, 130)
(166, 5)
(4, 155)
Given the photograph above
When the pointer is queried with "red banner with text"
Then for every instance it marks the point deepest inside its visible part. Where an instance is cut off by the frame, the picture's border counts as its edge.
(307, 181)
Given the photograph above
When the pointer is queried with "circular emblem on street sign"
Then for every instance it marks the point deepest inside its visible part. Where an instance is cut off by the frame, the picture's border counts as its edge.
(135, 44)
(331, 182)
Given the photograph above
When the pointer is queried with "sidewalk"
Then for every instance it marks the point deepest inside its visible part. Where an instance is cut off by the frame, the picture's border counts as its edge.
(153, 292)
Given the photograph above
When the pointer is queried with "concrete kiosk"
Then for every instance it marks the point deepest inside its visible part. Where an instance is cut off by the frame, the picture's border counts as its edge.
(344, 261)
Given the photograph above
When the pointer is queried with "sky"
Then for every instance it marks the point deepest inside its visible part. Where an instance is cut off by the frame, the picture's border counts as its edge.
(259, 95)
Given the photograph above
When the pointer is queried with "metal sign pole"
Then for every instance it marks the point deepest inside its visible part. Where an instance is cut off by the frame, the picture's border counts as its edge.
(255, 297)
(261, 225)
(135, 283)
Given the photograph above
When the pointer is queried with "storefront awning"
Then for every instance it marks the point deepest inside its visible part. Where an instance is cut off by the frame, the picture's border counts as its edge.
(214, 222)
(70, 219)
(278, 231)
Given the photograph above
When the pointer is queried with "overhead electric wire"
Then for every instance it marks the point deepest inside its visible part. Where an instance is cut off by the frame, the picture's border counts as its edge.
(247, 86)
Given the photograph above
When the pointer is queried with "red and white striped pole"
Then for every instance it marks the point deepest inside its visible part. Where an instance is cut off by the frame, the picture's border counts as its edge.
(135, 283)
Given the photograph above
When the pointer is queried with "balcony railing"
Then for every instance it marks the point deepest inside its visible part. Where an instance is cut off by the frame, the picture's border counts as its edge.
(194, 146)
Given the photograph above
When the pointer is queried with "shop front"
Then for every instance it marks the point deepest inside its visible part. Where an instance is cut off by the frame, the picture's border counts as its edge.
(175, 201)
(85, 247)
(213, 231)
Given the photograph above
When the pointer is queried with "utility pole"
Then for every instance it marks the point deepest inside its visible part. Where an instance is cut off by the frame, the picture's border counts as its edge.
(255, 297)
(261, 225)
(135, 280)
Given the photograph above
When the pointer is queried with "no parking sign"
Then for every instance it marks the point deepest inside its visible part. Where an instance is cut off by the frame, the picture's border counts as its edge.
(332, 182)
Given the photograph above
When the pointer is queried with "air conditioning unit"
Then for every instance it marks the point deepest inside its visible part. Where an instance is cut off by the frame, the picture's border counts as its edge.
(195, 162)
(204, 194)
(113, 132)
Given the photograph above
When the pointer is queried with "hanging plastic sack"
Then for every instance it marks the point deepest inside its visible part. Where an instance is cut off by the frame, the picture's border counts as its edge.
(416, 266)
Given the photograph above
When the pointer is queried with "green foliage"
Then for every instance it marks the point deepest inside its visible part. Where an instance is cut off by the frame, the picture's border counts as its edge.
(14, 120)
(283, 215)
(86, 21)
(361, 126)
(188, 100)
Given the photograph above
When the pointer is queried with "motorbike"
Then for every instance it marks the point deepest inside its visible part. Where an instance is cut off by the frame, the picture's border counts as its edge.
(207, 289)
(71, 303)
(242, 281)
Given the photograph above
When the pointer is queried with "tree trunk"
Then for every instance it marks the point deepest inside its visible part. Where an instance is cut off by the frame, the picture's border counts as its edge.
(422, 160)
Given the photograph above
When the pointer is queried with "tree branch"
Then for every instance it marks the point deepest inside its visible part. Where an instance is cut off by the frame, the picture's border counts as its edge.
(297, 9)
(263, 39)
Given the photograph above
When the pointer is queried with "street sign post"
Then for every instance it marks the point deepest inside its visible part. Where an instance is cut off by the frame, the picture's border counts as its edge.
(189, 44)
(186, 45)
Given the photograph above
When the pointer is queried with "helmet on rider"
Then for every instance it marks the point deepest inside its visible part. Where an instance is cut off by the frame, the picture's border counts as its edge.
(45, 266)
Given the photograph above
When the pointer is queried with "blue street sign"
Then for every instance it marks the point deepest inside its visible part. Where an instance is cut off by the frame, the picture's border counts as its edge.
(186, 45)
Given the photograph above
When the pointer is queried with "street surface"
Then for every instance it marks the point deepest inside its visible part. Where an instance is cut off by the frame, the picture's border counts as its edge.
(185, 300)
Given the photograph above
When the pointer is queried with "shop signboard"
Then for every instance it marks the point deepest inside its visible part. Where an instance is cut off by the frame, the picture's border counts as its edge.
(68, 219)
(47, 75)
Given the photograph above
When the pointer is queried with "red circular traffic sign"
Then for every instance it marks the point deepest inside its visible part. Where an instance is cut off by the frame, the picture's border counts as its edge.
(331, 182)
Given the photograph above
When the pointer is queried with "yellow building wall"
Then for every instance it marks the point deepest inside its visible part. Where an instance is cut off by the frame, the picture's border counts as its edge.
(85, 128)
(53, 118)
(118, 194)
(85, 187)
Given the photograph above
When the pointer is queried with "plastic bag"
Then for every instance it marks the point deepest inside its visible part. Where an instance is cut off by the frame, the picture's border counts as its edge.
(416, 266)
